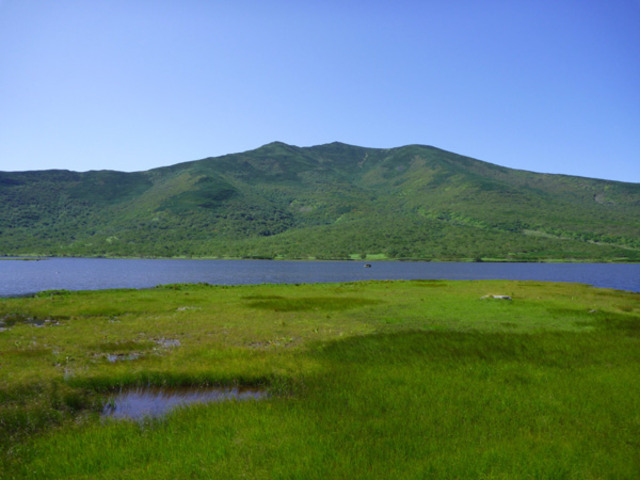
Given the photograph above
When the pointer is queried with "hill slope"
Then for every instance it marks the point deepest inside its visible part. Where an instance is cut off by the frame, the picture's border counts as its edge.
(327, 201)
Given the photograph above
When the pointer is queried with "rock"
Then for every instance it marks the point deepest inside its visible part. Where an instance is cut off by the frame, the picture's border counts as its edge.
(498, 297)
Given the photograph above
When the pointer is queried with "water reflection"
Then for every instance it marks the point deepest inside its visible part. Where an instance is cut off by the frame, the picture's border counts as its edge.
(139, 403)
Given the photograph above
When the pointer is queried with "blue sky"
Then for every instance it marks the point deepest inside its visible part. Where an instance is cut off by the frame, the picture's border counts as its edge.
(547, 86)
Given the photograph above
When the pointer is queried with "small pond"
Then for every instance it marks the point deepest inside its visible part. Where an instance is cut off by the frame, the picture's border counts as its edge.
(138, 403)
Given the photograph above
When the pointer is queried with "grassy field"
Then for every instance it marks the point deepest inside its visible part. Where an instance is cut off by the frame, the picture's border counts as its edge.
(412, 379)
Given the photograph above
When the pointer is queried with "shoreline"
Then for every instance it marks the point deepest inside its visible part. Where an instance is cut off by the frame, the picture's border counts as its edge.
(373, 259)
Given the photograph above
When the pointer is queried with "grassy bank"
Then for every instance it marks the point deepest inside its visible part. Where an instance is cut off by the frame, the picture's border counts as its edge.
(416, 379)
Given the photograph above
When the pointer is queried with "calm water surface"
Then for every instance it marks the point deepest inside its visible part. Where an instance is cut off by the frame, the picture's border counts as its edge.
(20, 277)
(139, 403)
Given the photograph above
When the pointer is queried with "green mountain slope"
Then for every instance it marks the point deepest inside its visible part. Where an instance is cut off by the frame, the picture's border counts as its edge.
(327, 201)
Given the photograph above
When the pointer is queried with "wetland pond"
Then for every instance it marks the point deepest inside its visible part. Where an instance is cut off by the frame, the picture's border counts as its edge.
(19, 277)
(153, 402)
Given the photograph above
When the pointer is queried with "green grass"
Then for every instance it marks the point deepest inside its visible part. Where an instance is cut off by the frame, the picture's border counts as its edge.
(415, 379)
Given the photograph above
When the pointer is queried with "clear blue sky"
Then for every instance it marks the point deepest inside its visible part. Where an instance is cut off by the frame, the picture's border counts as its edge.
(546, 85)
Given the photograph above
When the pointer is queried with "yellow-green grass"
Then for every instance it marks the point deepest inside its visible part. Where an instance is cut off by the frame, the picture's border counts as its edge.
(412, 379)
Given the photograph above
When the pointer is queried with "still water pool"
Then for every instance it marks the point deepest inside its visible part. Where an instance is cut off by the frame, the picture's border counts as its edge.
(154, 402)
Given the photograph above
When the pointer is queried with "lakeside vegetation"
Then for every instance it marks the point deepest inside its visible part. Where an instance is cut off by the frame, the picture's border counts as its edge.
(408, 379)
(332, 201)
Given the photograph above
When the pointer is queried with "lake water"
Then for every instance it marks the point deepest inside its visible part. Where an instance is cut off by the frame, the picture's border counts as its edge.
(20, 277)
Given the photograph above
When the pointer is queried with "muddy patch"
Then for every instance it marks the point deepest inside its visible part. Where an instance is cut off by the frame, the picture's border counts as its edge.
(125, 346)
(282, 304)
(154, 402)
(119, 357)
(12, 319)
(168, 342)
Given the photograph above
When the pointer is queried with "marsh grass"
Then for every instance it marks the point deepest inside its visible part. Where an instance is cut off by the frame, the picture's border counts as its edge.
(374, 380)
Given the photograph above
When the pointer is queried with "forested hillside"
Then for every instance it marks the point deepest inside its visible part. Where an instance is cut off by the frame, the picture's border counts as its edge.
(327, 201)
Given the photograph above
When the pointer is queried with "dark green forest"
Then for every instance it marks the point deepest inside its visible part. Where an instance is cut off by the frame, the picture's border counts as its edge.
(333, 201)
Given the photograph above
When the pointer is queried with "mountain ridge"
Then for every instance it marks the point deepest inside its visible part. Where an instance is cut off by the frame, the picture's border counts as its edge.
(414, 201)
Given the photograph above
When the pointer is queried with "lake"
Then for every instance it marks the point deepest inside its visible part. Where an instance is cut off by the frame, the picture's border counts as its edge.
(21, 277)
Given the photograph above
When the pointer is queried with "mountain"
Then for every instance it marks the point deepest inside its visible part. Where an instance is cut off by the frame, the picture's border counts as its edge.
(326, 201)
